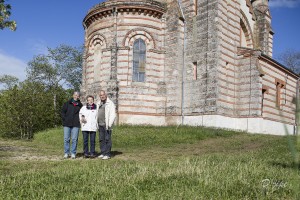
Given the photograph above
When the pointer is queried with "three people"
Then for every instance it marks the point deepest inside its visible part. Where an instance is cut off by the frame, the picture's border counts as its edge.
(71, 124)
(91, 117)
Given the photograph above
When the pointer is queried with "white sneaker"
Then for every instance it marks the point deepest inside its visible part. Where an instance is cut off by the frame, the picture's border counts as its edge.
(73, 156)
(66, 156)
(101, 156)
(105, 158)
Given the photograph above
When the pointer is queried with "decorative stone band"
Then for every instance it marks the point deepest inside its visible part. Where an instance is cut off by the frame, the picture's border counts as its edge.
(128, 48)
(157, 51)
(146, 7)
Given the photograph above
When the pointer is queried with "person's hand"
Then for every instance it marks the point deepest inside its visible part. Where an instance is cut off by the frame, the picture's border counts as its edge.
(83, 120)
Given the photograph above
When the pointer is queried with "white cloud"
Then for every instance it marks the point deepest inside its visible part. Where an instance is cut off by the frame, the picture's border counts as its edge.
(37, 46)
(284, 3)
(12, 66)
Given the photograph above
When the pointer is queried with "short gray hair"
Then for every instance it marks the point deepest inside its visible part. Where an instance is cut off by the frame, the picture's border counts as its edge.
(102, 91)
(76, 92)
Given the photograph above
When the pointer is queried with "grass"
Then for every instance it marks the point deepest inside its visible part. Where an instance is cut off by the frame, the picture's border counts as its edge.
(152, 163)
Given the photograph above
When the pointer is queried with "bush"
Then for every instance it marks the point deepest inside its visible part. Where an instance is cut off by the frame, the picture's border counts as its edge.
(29, 108)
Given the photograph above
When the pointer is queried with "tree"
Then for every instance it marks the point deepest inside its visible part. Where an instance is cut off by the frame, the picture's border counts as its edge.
(4, 17)
(8, 81)
(61, 67)
(291, 59)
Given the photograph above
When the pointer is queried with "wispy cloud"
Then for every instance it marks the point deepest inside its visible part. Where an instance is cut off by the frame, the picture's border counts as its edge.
(37, 46)
(284, 3)
(12, 66)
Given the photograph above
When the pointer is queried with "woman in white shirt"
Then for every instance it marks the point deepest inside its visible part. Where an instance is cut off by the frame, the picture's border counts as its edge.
(88, 119)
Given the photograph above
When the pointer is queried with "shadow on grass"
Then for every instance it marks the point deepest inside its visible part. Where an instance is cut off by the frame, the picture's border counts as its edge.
(113, 154)
(290, 165)
(116, 153)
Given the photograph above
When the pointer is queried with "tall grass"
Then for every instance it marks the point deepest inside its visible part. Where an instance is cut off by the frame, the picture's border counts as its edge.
(155, 163)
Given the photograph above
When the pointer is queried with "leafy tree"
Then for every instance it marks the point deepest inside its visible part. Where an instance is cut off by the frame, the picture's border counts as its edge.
(61, 67)
(291, 59)
(8, 81)
(4, 17)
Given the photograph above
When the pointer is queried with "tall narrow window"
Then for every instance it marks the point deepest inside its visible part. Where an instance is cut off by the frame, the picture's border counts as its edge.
(264, 91)
(139, 60)
(195, 70)
(278, 94)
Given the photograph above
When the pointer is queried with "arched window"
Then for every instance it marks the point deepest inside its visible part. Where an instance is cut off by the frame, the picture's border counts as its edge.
(139, 60)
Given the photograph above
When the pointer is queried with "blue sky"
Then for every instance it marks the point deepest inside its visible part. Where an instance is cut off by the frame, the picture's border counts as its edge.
(49, 23)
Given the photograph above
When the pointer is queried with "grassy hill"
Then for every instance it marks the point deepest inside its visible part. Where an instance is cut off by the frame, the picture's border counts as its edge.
(152, 163)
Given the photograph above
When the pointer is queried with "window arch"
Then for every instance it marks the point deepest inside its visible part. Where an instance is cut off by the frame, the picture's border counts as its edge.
(246, 35)
(139, 60)
(243, 35)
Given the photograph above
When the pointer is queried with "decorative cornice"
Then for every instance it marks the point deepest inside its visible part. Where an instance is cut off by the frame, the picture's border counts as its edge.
(147, 7)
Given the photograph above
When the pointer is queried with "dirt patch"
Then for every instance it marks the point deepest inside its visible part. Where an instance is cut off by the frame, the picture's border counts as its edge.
(34, 157)
(13, 151)
(14, 148)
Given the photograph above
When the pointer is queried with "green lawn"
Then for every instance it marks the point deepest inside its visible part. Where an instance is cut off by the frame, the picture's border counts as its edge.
(152, 163)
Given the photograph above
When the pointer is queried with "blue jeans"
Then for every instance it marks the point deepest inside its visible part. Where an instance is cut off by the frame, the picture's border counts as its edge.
(68, 132)
(86, 135)
(105, 141)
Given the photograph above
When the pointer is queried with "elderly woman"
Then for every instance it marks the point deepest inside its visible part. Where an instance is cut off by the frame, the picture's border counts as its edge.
(70, 117)
(88, 119)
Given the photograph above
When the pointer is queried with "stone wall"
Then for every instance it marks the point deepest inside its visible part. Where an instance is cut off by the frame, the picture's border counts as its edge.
(202, 51)
(263, 30)
(275, 74)
(174, 46)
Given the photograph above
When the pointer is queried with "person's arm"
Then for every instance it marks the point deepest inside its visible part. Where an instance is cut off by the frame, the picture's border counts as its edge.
(82, 113)
(64, 111)
(112, 113)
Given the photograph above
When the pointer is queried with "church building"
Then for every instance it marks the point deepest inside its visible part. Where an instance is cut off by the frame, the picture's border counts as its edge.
(190, 62)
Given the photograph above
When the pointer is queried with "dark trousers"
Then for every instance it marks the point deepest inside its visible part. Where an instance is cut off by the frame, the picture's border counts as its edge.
(105, 141)
(86, 136)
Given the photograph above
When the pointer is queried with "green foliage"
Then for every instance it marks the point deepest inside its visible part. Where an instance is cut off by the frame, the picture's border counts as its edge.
(196, 163)
(28, 108)
(4, 17)
(8, 81)
(61, 66)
